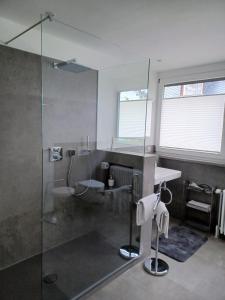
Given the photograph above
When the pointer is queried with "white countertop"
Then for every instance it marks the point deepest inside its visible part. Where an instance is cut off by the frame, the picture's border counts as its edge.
(163, 174)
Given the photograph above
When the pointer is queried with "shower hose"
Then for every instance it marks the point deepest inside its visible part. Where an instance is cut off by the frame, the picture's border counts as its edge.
(69, 175)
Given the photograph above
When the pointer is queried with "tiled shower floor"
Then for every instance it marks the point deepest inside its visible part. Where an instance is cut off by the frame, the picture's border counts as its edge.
(81, 248)
(78, 264)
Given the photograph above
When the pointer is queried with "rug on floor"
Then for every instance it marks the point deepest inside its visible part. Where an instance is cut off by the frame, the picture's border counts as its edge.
(182, 243)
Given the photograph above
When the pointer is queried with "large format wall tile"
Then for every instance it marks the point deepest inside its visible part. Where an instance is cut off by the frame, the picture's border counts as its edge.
(198, 172)
(20, 155)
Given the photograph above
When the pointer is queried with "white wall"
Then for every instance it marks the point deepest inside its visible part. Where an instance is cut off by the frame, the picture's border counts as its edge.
(89, 53)
(207, 71)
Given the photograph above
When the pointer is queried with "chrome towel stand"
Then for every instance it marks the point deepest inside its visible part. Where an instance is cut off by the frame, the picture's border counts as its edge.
(154, 265)
(130, 251)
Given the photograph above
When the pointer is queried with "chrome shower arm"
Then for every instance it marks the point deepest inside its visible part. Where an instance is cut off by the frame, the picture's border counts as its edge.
(48, 16)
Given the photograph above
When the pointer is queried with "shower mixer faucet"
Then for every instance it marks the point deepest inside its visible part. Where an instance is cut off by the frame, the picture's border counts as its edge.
(55, 153)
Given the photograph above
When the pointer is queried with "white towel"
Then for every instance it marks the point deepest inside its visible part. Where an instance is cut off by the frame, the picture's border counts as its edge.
(162, 218)
(145, 209)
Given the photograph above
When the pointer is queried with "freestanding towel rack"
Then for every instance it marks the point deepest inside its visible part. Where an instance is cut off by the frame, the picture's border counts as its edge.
(130, 251)
(154, 265)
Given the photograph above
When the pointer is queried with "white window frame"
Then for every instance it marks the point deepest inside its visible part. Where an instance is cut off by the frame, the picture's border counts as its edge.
(183, 154)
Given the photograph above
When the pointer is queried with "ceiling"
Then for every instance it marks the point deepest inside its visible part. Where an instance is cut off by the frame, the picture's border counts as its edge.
(179, 33)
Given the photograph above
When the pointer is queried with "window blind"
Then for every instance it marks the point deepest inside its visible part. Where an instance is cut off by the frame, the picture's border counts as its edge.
(132, 117)
(192, 123)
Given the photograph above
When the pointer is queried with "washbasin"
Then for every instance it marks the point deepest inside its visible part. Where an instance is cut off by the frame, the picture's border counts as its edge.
(164, 174)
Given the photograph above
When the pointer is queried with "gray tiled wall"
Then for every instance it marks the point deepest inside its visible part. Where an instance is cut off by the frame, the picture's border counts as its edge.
(69, 115)
(212, 175)
(20, 155)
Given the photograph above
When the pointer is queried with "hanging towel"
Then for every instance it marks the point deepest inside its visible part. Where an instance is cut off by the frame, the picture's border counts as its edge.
(162, 218)
(145, 209)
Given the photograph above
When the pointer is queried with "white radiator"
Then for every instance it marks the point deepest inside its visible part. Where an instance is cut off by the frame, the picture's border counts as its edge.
(221, 214)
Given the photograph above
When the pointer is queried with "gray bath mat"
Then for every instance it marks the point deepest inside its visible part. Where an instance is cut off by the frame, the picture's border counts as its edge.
(182, 243)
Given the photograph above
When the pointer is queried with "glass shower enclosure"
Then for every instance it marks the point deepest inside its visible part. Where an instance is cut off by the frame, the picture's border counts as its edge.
(78, 126)
(86, 219)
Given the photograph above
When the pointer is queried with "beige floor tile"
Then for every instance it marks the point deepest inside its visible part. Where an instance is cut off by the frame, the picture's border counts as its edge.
(201, 277)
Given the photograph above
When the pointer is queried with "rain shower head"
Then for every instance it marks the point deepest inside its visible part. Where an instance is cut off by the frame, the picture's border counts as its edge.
(70, 66)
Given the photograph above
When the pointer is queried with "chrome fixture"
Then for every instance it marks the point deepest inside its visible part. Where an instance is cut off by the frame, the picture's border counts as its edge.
(47, 16)
(71, 152)
(55, 154)
(155, 265)
(70, 66)
(130, 251)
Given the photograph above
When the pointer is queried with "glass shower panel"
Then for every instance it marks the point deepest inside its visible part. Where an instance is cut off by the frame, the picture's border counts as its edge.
(124, 112)
(86, 217)
(123, 132)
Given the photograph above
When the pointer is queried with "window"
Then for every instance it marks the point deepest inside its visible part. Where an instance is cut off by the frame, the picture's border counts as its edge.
(132, 114)
(192, 116)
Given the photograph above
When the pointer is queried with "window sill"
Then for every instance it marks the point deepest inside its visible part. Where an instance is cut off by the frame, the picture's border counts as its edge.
(193, 159)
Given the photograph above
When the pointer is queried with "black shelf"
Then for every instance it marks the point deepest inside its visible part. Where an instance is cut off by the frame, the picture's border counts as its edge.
(200, 191)
(198, 209)
(194, 216)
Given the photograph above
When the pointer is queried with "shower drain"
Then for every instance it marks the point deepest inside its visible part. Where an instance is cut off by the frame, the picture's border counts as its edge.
(50, 278)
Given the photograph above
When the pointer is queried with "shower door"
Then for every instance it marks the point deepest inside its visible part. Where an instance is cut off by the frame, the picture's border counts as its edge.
(86, 222)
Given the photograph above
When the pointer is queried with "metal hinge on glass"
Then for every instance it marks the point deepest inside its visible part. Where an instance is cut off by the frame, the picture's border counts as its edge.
(55, 153)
